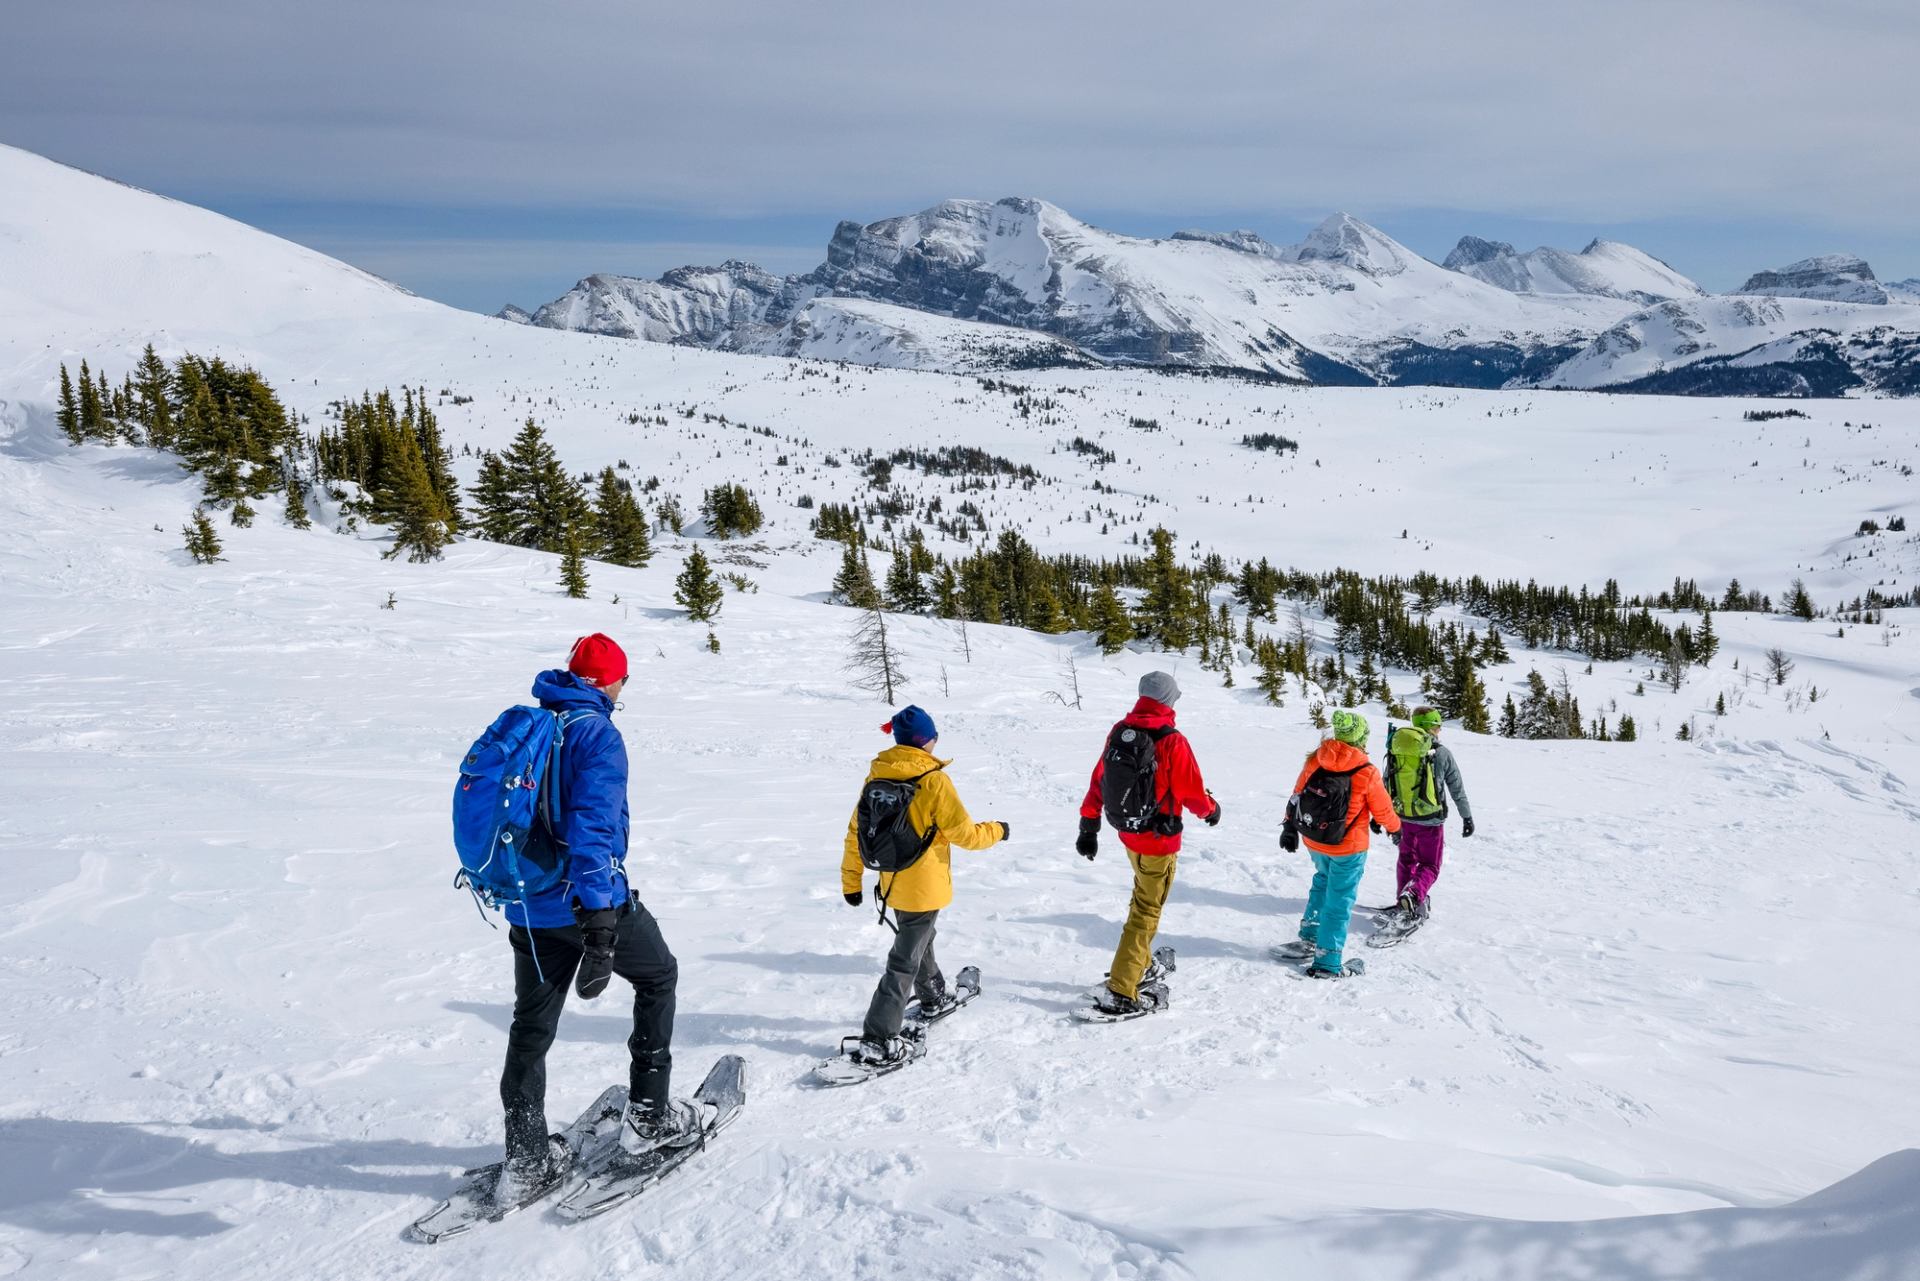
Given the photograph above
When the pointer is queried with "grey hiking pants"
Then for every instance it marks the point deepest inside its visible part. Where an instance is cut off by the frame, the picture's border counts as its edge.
(911, 971)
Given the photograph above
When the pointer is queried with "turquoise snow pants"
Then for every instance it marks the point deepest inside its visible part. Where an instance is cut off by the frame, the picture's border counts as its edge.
(1336, 884)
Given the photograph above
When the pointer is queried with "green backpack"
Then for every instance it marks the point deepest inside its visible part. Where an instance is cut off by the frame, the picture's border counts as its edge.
(1410, 775)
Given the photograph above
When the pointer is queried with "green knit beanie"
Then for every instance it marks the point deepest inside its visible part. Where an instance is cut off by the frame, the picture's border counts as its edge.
(1426, 718)
(1350, 727)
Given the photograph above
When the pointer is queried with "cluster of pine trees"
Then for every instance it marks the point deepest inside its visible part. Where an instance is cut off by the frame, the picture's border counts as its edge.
(225, 422)
(525, 497)
(1552, 711)
(395, 455)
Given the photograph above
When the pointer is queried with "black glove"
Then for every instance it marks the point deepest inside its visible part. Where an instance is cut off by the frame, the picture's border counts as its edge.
(1006, 832)
(1466, 827)
(1395, 838)
(1088, 843)
(1290, 839)
(1373, 825)
(853, 899)
(597, 929)
(1213, 819)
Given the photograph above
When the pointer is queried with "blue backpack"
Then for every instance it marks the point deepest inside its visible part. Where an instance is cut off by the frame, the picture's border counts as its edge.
(506, 805)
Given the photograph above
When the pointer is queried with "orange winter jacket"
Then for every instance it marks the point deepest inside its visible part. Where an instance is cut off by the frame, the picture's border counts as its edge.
(1370, 797)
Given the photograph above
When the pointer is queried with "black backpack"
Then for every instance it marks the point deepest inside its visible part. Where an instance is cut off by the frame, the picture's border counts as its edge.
(1128, 788)
(1324, 804)
(888, 844)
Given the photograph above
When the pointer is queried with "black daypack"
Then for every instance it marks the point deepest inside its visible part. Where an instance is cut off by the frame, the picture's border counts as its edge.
(883, 831)
(1129, 791)
(1325, 803)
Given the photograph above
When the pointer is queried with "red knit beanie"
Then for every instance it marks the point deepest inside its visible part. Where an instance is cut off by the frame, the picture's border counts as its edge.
(597, 660)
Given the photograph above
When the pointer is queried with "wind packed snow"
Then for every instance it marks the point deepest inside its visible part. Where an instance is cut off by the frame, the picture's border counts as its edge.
(1658, 1027)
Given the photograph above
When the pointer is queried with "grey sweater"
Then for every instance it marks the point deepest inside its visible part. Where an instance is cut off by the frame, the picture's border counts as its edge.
(1449, 773)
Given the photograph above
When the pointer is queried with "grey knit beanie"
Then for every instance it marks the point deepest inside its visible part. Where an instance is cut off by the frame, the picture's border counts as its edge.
(1160, 687)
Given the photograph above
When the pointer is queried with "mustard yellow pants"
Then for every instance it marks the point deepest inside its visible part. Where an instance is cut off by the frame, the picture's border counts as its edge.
(1152, 879)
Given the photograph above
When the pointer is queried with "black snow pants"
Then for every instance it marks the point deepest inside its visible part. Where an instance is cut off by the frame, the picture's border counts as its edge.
(640, 956)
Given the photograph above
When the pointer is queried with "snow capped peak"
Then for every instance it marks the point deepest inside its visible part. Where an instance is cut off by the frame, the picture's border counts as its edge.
(1824, 277)
(1472, 249)
(1604, 269)
(1344, 239)
(518, 315)
(1240, 241)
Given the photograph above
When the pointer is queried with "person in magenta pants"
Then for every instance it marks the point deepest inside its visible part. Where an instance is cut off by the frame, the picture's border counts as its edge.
(1423, 838)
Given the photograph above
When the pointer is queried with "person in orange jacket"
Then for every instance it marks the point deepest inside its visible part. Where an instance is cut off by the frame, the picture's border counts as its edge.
(1338, 793)
(1155, 848)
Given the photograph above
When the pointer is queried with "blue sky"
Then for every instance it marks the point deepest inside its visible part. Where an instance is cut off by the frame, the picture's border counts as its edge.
(487, 151)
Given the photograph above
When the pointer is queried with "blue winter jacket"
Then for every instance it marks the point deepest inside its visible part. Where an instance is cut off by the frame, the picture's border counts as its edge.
(593, 798)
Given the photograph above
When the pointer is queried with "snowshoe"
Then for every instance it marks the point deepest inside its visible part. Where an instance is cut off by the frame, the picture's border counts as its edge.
(644, 1130)
(626, 1174)
(861, 1060)
(1352, 969)
(492, 1192)
(1110, 1007)
(1297, 950)
(966, 986)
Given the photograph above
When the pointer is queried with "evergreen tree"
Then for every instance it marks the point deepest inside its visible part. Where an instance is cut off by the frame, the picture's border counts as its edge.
(1705, 643)
(906, 593)
(153, 384)
(93, 411)
(547, 502)
(1163, 609)
(1112, 628)
(1799, 604)
(619, 524)
(203, 544)
(1720, 704)
(573, 567)
(296, 488)
(404, 498)
(696, 590)
(853, 585)
(729, 510)
(1626, 733)
(1272, 681)
(69, 416)
(495, 517)
(1509, 720)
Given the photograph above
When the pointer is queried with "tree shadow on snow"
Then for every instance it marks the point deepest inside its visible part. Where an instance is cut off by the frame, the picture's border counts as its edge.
(60, 1176)
(1099, 932)
(1862, 1227)
(690, 1028)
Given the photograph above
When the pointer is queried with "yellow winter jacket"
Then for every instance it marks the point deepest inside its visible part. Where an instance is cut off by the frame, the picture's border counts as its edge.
(927, 886)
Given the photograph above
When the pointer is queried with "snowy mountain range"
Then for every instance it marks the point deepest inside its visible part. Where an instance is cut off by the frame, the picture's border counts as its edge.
(1346, 306)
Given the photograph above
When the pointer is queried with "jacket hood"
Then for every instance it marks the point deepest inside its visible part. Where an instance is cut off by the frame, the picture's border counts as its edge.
(1150, 714)
(1336, 755)
(901, 761)
(562, 690)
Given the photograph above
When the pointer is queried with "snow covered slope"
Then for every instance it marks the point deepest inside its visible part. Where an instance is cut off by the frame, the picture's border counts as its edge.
(1826, 278)
(249, 1030)
(1754, 345)
(1605, 268)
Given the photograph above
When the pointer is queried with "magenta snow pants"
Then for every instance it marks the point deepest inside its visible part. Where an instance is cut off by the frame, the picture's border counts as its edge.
(1420, 849)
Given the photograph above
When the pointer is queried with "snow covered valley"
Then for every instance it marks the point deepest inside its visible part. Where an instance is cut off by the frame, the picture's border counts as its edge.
(1660, 1026)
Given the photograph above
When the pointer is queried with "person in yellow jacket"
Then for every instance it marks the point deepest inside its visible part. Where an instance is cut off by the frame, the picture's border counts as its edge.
(917, 893)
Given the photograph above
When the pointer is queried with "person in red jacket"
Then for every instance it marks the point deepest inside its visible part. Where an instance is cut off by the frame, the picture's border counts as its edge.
(1339, 854)
(1151, 835)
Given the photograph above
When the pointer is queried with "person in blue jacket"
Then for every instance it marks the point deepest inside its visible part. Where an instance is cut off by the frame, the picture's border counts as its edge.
(586, 930)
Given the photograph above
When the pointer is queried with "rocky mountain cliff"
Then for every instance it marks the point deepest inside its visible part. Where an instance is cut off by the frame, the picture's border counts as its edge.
(1346, 305)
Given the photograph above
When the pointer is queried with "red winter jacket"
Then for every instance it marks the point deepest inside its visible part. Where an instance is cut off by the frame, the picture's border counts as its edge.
(1176, 774)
